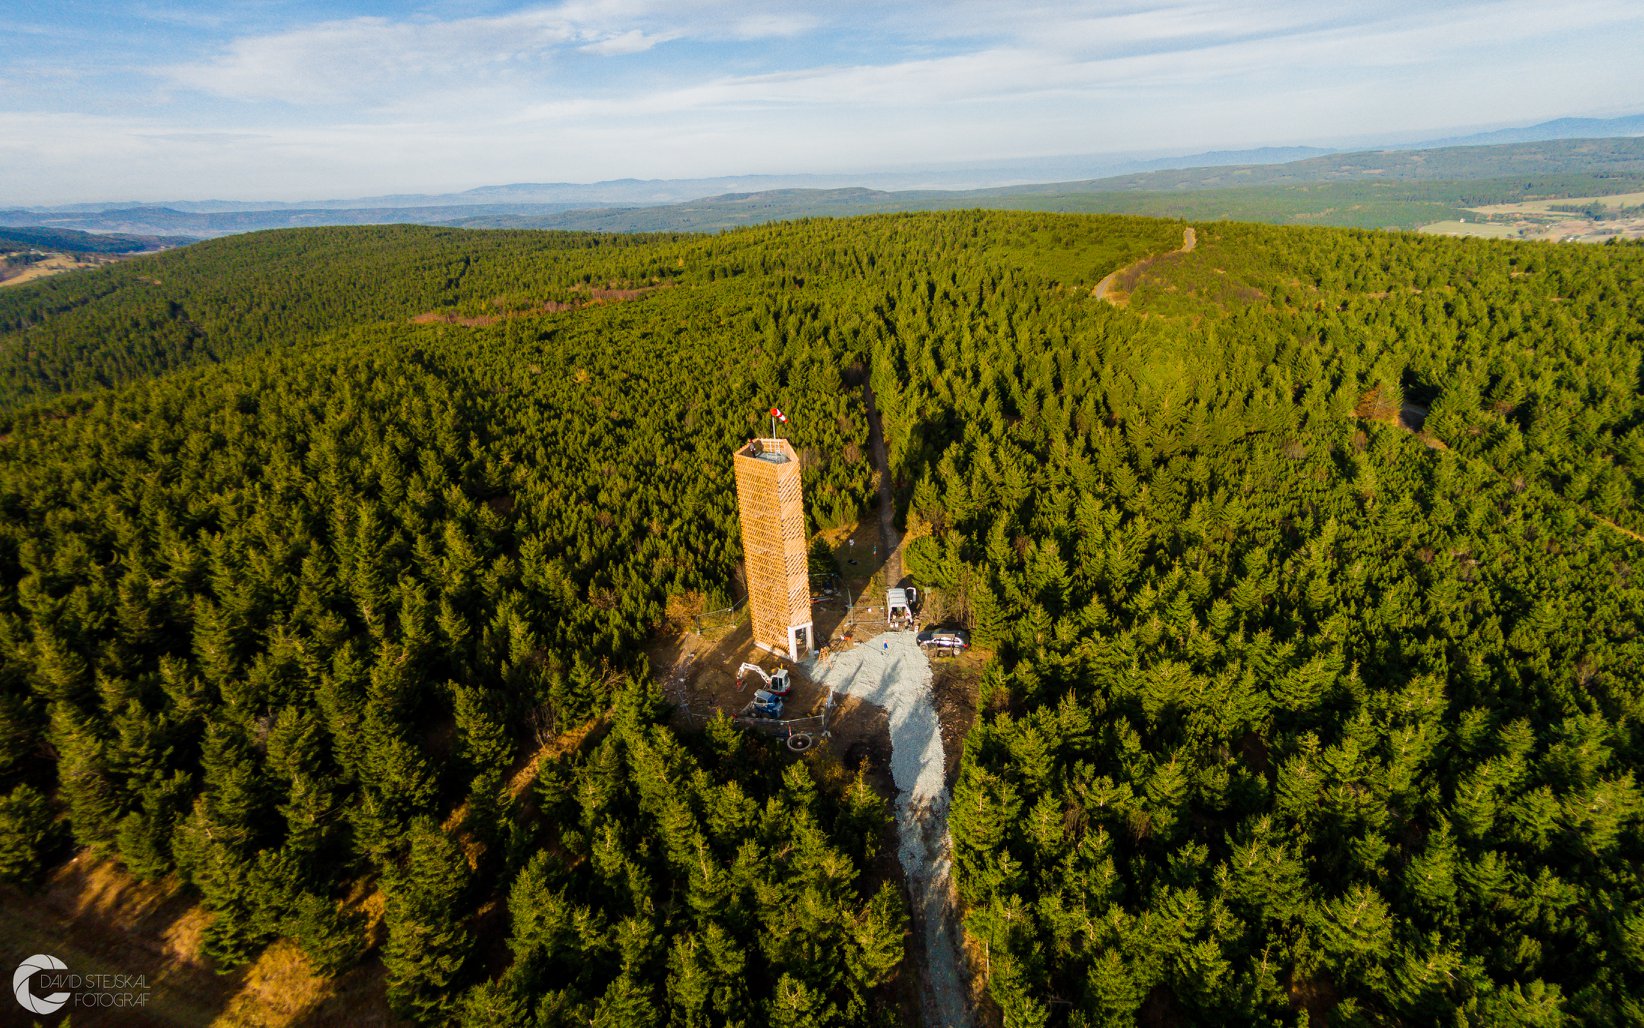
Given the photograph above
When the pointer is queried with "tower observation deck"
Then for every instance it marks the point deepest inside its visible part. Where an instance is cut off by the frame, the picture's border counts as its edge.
(772, 509)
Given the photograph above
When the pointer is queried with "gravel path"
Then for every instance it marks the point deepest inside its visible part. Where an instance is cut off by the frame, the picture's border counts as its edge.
(892, 672)
(1190, 239)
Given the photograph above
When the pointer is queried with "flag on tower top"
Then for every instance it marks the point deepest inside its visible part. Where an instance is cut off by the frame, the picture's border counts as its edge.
(778, 415)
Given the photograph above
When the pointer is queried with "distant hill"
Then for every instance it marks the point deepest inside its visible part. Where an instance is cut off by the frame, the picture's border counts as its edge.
(1451, 163)
(163, 220)
(987, 174)
(633, 192)
(1559, 128)
(24, 237)
(1388, 188)
(1376, 189)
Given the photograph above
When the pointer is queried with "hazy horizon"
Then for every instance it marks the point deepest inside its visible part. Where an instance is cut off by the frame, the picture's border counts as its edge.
(296, 101)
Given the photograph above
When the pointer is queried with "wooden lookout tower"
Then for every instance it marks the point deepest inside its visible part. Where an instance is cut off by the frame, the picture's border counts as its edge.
(772, 508)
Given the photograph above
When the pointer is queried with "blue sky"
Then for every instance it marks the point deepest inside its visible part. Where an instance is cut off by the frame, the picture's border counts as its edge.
(267, 100)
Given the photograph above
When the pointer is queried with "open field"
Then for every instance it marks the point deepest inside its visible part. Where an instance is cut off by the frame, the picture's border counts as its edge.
(1580, 219)
(55, 264)
(1480, 229)
(30, 253)
(1550, 205)
(1563, 230)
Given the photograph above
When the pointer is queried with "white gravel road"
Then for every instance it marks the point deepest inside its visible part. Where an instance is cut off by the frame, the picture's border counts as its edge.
(891, 671)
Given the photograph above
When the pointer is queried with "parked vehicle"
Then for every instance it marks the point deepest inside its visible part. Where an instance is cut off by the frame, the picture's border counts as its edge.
(765, 704)
(899, 606)
(944, 642)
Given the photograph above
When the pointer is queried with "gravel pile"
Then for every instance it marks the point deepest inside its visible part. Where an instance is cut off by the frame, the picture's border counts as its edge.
(891, 672)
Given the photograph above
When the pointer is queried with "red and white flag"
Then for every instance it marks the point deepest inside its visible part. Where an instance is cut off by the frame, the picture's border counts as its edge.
(778, 415)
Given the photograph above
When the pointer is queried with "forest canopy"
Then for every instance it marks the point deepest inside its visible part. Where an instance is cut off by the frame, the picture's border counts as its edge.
(1308, 572)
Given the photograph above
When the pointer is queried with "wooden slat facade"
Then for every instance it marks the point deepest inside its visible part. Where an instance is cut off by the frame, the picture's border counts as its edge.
(772, 508)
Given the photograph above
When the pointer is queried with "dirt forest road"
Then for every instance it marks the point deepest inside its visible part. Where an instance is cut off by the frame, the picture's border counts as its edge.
(891, 671)
(1190, 239)
(887, 502)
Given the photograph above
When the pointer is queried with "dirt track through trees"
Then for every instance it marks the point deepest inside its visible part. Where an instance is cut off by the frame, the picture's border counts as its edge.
(1190, 239)
(891, 672)
(887, 502)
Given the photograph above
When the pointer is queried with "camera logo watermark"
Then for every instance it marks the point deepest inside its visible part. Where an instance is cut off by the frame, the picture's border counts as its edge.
(47, 973)
(20, 984)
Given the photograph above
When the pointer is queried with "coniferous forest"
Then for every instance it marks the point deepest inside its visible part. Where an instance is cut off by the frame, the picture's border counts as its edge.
(1311, 576)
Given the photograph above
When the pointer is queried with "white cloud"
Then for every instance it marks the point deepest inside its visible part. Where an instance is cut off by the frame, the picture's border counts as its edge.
(362, 59)
(631, 42)
(769, 25)
(382, 60)
(434, 103)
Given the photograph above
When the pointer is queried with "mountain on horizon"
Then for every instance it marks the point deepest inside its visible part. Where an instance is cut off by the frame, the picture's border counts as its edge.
(972, 175)
(1546, 131)
(609, 203)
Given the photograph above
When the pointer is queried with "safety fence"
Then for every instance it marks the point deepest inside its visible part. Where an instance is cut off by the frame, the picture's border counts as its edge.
(812, 726)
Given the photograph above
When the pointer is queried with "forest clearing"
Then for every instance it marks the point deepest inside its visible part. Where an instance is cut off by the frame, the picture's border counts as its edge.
(43, 266)
(871, 689)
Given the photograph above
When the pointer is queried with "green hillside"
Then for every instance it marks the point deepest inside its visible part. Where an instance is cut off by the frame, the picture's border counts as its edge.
(1505, 162)
(226, 297)
(18, 237)
(329, 558)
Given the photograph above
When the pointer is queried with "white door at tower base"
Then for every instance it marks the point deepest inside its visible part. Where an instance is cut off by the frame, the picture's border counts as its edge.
(799, 641)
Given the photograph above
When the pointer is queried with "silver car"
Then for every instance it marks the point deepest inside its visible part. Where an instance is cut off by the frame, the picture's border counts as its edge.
(944, 642)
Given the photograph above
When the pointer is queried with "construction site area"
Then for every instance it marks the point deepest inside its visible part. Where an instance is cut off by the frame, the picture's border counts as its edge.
(853, 664)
